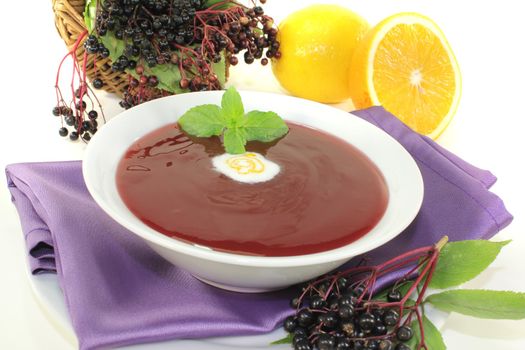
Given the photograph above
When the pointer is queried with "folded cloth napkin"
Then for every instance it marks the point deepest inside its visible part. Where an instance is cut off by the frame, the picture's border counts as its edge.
(120, 292)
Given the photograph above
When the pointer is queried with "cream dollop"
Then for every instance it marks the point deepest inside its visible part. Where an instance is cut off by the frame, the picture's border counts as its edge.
(249, 167)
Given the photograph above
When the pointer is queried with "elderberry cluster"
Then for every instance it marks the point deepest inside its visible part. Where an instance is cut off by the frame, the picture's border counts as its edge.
(333, 315)
(183, 34)
(82, 122)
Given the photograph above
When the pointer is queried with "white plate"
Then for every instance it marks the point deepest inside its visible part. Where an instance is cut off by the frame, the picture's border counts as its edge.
(50, 298)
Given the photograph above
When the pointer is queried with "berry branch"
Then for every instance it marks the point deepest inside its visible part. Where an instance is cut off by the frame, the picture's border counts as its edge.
(344, 311)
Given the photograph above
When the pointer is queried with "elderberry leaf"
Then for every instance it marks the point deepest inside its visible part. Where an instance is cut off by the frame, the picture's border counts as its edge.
(264, 126)
(217, 6)
(203, 121)
(115, 46)
(461, 261)
(286, 340)
(90, 14)
(232, 108)
(433, 337)
(481, 303)
(234, 140)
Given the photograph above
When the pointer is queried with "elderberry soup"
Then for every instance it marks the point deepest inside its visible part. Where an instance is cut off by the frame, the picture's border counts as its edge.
(305, 193)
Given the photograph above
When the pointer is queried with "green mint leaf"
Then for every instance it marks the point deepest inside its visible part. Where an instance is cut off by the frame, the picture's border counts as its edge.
(232, 108)
(461, 261)
(481, 303)
(286, 340)
(203, 121)
(264, 126)
(234, 140)
(433, 337)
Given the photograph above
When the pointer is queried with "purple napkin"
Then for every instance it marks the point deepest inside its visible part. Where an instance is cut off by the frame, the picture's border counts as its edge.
(119, 292)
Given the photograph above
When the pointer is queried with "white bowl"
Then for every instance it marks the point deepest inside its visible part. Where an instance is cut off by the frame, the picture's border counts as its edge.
(254, 273)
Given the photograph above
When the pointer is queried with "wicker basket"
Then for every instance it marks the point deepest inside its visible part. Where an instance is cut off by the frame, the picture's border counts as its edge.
(69, 22)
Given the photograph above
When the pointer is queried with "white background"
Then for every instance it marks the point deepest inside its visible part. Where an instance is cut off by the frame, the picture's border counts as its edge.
(487, 37)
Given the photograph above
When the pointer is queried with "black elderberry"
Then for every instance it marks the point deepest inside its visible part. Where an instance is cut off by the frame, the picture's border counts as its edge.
(343, 343)
(404, 333)
(378, 313)
(372, 344)
(93, 114)
(298, 338)
(303, 345)
(379, 329)
(86, 125)
(86, 136)
(81, 105)
(97, 83)
(317, 302)
(73, 136)
(57, 111)
(63, 131)
(367, 321)
(347, 300)
(390, 317)
(258, 10)
(329, 320)
(305, 318)
(295, 303)
(290, 324)
(299, 331)
(394, 296)
(70, 121)
(346, 312)
(326, 342)
(66, 111)
(119, 34)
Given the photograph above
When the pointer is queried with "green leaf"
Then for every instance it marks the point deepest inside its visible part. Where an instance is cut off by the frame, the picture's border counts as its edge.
(210, 3)
(203, 121)
(481, 303)
(234, 140)
(210, 120)
(115, 46)
(220, 69)
(461, 261)
(232, 108)
(286, 340)
(264, 126)
(90, 14)
(168, 76)
(433, 337)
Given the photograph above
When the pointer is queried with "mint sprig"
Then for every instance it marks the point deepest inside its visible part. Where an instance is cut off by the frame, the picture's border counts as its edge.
(232, 123)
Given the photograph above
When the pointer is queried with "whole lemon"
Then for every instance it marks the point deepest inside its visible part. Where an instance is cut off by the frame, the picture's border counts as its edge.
(317, 44)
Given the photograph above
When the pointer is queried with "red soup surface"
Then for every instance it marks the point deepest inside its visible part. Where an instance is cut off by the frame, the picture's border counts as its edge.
(326, 195)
